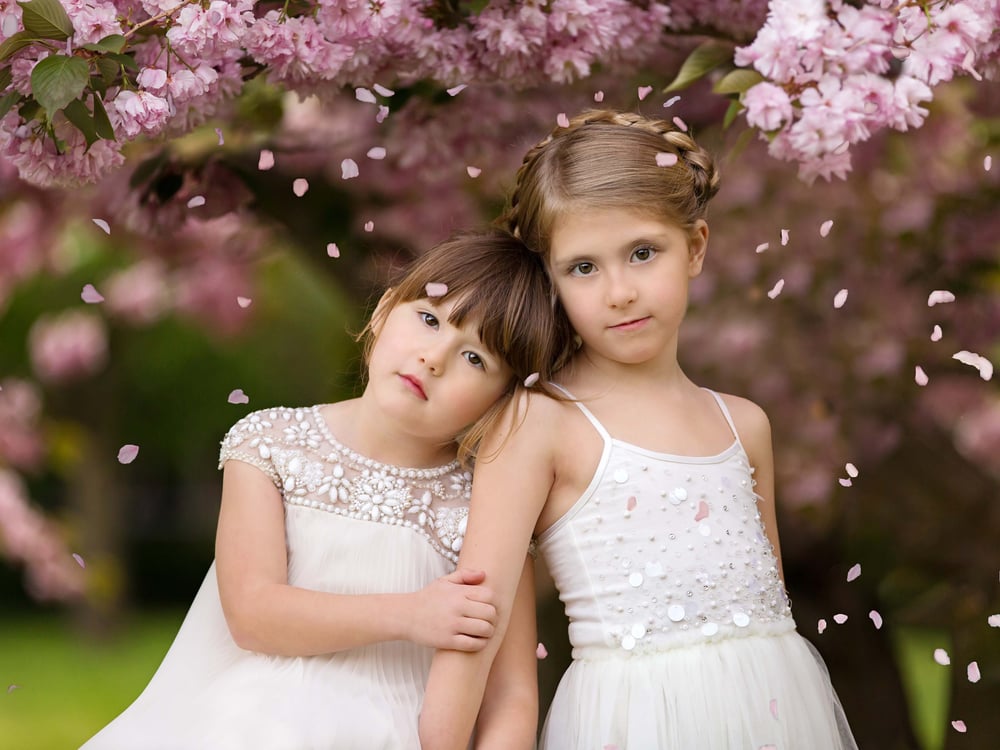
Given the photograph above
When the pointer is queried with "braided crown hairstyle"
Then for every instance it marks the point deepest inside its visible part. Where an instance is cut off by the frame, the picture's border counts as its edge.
(606, 159)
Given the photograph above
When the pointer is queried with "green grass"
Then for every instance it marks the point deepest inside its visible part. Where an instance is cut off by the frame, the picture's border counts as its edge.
(68, 686)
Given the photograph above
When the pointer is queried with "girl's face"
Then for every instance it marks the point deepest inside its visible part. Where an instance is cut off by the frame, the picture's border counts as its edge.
(623, 279)
(432, 378)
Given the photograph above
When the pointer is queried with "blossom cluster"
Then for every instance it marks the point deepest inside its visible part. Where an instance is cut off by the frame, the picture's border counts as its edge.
(835, 72)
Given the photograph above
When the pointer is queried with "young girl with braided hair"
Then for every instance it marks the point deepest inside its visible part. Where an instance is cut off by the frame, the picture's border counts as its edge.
(651, 498)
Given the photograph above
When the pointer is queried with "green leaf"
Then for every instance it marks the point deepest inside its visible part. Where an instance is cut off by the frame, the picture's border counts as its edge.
(7, 101)
(127, 60)
(14, 44)
(5, 77)
(108, 69)
(101, 121)
(737, 81)
(702, 59)
(110, 43)
(78, 114)
(29, 110)
(46, 18)
(734, 109)
(57, 80)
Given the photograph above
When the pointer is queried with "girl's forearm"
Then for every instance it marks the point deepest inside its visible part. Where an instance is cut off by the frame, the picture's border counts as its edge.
(454, 693)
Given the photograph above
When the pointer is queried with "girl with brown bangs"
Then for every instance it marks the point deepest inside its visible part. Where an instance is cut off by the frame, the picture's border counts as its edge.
(340, 527)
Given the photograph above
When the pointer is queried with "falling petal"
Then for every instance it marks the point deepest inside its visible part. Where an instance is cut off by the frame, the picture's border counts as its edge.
(364, 95)
(90, 295)
(644, 91)
(196, 201)
(630, 503)
(959, 726)
(920, 376)
(762, 247)
(776, 289)
(382, 90)
(474, 172)
(774, 707)
(238, 397)
(455, 90)
(671, 101)
(435, 289)
(939, 297)
(383, 112)
(941, 657)
(665, 159)
(681, 125)
(993, 621)
(702, 513)
(854, 572)
(988, 162)
(222, 140)
(127, 453)
(784, 237)
(972, 671)
(839, 299)
(82, 564)
(845, 482)
(375, 152)
(978, 361)
(562, 120)
(332, 250)
(103, 225)
(852, 470)
(821, 626)
(937, 333)
(369, 226)
(825, 227)
(266, 160)
(840, 618)
(300, 186)
(348, 169)
(599, 97)
(876, 619)
(12, 688)
(528, 381)
(541, 652)
(243, 302)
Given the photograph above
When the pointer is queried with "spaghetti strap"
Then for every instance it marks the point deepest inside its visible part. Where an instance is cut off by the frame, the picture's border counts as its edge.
(587, 413)
(725, 413)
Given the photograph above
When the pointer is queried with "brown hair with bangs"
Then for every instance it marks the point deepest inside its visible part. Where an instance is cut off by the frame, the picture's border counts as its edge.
(608, 159)
(501, 288)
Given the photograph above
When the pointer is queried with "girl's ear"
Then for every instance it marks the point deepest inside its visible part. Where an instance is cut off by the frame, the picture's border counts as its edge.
(385, 304)
(697, 247)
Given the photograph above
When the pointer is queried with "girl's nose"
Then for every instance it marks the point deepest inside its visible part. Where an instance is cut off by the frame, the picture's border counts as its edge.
(433, 359)
(620, 292)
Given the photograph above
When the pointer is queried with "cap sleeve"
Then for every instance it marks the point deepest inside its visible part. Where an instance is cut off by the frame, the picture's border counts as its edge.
(252, 440)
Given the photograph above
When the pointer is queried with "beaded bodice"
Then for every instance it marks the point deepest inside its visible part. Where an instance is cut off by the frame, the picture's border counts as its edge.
(664, 551)
(310, 468)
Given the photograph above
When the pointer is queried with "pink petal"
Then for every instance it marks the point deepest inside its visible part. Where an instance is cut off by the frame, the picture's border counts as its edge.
(821, 626)
(375, 152)
(959, 726)
(939, 297)
(681, 125)
(300, 186)
(243, 302)
(90, 295)
(562, 120)
(937, 333)
(369, 226)
(671, 101)
(348, 169)
(920, 376)
(776, 289)
(528, 381)
(474, 172)
(265, 161)
(784, 237)
(840, 618)
(978, 361)
(941, 657)
(839, 299)
(238, 397)
(196, 202)
(993, 621)
(127, 453)
(434, 289)
(218, 132)
(644, 91)
(103, 225)
(332, 250)
(12, 688)
(79, 560)
(630, 503)
(383, 112)
(774, 707)
(382, 90)
(876, 619)
(665, 159)
(845, 482)
(852, 470)
(825, 227)
(854, 572)
(988, 162)
(599, 97)
(762, 247)
(364, 95)
(455, 90)
(702, 513)
(540, 651)
(972, 672)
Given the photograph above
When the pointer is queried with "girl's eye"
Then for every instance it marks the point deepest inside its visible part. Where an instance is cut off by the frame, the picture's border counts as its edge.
(583, 268)
(643, 253)
(429, 319)
(474, 359)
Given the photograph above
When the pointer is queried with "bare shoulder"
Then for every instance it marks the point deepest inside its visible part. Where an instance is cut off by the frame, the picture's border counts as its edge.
(751, 421)
(531, 419)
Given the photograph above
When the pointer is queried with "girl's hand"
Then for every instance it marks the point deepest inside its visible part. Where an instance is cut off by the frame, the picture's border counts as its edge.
(455, 612)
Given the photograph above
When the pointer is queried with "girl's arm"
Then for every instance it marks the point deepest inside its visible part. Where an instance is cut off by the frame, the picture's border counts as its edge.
(508, 718)
(266, 614)
(509, 489)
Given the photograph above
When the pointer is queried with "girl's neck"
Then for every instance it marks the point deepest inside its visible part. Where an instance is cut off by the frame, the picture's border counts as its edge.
(590, 373)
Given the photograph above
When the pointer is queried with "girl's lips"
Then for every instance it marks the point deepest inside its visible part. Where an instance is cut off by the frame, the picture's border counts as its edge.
(414, 385)
(630, 325)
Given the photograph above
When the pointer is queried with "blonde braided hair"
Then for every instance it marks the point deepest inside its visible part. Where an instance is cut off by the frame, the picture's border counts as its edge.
(607, 159)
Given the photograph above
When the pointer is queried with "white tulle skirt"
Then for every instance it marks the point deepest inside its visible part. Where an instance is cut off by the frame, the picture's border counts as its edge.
(766, 692)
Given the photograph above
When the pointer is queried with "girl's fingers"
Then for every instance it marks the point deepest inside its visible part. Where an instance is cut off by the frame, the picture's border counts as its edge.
(480, 611)
(476, 628)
